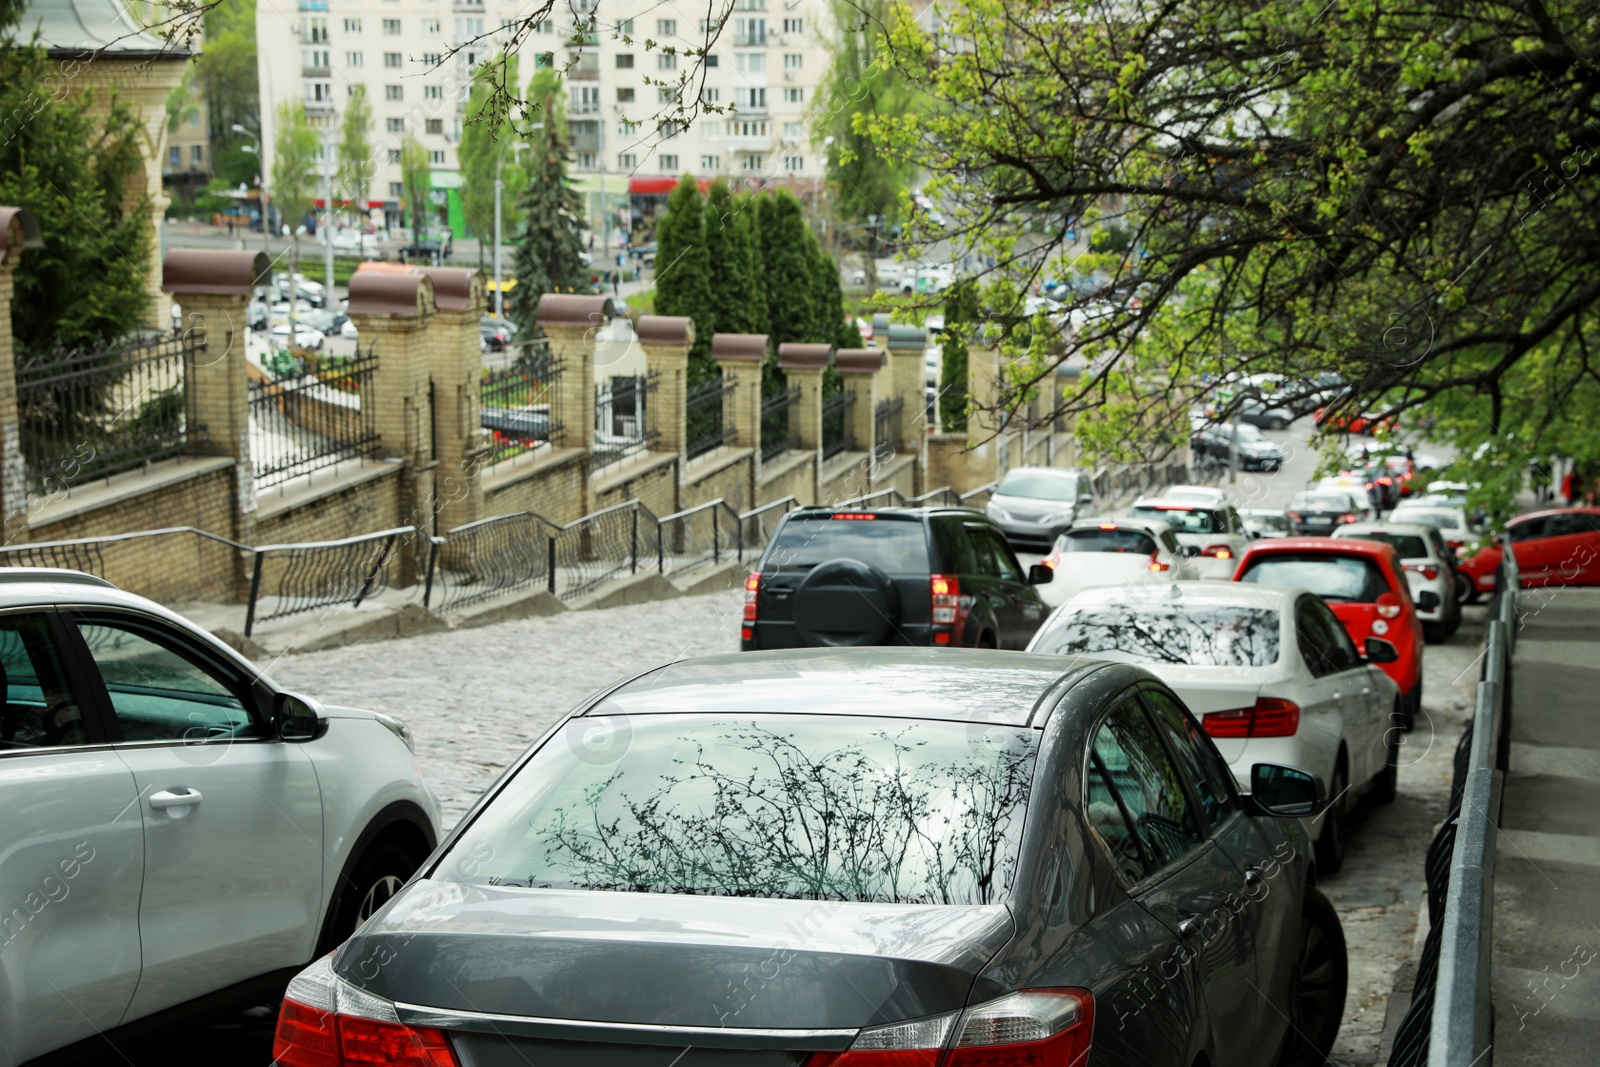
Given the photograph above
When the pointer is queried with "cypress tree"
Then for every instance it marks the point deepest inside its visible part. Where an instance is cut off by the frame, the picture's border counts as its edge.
(549, 244)
(725, 261)
(747, 215)
(683, 285)
(792, 303)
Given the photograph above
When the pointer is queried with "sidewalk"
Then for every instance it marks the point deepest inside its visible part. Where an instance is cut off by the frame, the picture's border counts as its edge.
(1546, 979)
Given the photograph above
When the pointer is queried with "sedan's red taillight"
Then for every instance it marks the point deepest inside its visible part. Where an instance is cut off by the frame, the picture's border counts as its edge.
(320, 1026)
(1033, 1028)
(1427, 570)
(1349, 517)
(752, 589)
(1218, 552)
(1270, 717)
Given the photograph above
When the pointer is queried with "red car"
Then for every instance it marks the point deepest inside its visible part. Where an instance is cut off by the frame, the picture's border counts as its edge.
(1556, 547)
(1365, 585)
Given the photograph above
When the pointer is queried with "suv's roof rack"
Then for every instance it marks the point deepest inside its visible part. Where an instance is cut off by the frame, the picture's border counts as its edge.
(51, 574)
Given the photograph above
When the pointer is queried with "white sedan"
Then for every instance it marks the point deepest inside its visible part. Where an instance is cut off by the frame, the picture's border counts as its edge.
(304, 336)
(1113, 552)
(1211, 533)
(1271, 674)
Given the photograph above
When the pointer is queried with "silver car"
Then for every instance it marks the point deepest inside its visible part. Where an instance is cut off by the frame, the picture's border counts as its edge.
(178, 831)
(1429, 566)
(1035, 505)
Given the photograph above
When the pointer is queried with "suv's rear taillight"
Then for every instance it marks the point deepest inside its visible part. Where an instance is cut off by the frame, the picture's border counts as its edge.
(752, 589)
(1218, 551)
(325, 1022)
(1157, 564)
(1270, 717)
(1033, 1028)
(945, 590)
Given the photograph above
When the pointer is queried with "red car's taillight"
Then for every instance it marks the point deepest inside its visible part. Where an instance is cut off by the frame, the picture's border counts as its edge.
(1270, 717)
(1156, 563)
(1294, 516)
(752, 589)
(1388, 606)
(1033, 1028)
(326, 1023)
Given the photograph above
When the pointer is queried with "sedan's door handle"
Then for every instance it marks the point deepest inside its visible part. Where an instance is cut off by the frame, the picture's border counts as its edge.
(1187, 925)
(1252, 877)
(166, 798)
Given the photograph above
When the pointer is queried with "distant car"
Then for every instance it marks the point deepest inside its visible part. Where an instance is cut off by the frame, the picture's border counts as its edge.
(1270, 673)
(1265, 415)
(256, 317)
(1033, 505)
(497, 334)
(304, 337)
(890, 576)
(1354, 489)
(348, 331)
(1208, 494)
(1212, 535)
(1429, 564)
(1321, 511)
(1556, 547)
(1451, 520)
(1255, 451)
(1365, 585)
(932, 361)
(1114, 552)
(1335, 416)
(1266, 522)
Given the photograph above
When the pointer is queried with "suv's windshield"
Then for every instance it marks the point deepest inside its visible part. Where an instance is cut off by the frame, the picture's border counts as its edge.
(1199, 634)
(1183, 519)
(1039, 485)
(1099, 540)
(1267, 520)
(894, 546)
(1349, 578)
(817, 807)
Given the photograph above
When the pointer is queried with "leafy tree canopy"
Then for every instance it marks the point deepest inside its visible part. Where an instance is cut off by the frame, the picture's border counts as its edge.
(489, 148)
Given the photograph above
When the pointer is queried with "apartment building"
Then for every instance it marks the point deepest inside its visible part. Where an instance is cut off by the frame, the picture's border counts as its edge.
(764, 69)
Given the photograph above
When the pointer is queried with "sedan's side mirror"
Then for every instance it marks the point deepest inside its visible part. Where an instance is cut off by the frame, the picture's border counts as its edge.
(1286, 792)
(1039, 574)
(1085, 500)
(1428, 600)
(297, 718)
(1381, 651)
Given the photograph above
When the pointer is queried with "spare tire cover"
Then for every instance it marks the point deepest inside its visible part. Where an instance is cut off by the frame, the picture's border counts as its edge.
(845, 602)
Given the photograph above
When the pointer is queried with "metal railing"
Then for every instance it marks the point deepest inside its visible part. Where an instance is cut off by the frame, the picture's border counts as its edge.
(836, 435)
(977, 498)
(886, 427)
(487, 558)
(611, 543)
(943, 496)
(704, 426)
(517, 404)
(778, 422)
(707, 533)
(757, 525)
(90, 413)
(623, 419)
(1449, 1021)
(313, 418)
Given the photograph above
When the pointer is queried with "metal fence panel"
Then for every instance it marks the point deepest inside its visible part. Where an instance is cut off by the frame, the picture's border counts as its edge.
(778, 422)
(624, 423)
(614, 543)
(710, 533)
(315, 417)
(704, 426)
(486, 559)
(518, 404)
(836, 435)
(323, 574)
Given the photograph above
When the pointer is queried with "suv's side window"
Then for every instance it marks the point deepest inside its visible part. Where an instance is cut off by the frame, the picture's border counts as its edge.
(1005, 561)
(984, 562)
(1147, 784)
(160, 691)
(39, 709)
(959, 555)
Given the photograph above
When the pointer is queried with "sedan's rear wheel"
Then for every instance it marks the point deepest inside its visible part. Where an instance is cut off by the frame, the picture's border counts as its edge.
(1317, 987)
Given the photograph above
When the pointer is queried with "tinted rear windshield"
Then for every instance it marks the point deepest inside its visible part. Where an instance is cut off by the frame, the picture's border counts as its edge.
(894, 546)
(1347, 578)
(1321, 502)
(1202, 635)
(814, 807)
(1133, 541)
(1270, 520)
(1439, 520)
(1184, 520)
(1039, 486)
(1409, 546)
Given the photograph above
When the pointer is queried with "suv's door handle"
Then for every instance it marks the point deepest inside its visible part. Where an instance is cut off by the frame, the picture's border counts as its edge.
(166, 798)
(1187, 925)
(1252, 877)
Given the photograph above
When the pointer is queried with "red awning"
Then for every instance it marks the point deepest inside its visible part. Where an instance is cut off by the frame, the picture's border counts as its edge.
(661, 186)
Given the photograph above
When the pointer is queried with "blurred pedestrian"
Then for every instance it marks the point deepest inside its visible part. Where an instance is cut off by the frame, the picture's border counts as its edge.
(1570, 486)
(616, 283)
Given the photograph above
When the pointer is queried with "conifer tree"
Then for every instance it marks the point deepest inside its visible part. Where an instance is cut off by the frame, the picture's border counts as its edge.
(683, 283)
(549, 241)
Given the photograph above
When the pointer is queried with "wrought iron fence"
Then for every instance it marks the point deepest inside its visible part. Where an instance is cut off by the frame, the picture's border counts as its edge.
(758, 524)
(517, 404)
(778, 434)
(90, 413)
(488, 558)
(836, 436)
(624, 423)
(944, 496)
(320, 574)
(886, 427)
(586, 553)
(703, 418)
(708, 533)
(316, 416)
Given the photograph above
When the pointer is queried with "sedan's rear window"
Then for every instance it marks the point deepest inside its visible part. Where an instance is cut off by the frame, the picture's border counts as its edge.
(1267, 520)
(1201, 635)
(1321, 502)
(1184, 520)
(1347, 578)
(1134, 541)
(894, 546)
(1438, 518)
(1409, 546)
(814, 807)
(1039, 485)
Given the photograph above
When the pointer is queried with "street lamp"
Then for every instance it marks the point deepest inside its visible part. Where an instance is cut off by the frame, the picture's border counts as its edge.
(255, 150)
(499, 293)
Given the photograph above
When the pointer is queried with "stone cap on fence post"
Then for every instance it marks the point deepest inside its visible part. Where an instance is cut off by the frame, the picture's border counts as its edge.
(666, 340)
(570, 320)
(803, 364)
(459, 290)
(742, 357)
(859, 368)
(200, 271)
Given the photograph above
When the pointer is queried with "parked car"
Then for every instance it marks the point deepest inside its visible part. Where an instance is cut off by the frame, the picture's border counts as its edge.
(348, 331)
(1033, 505)
(1212, 535)
(878, 856)
(1270, 673)
(1208, 494)
(497, 333)
(1429, 566)
(256, 317)
(1556, 547)
(1364, 584)
(180, 833)
(1255, 451)
(1321, 510)
(1450, 519)
(1266, 522)
(1336, 414)
(304, 336)
(1265, 414)
(1112, 552)
(890, 576)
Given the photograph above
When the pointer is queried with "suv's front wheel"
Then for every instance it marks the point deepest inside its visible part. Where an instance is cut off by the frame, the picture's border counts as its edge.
(376, 877)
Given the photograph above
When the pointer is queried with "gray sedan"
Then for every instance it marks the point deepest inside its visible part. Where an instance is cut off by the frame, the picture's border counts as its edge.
(842, 858)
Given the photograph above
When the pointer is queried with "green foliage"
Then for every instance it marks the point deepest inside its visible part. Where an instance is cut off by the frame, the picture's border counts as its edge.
(1114, 237)
(961, 311)
(550, 240)
(683, 272)
(356, 166)
(747, 230)
(69, 159)
(416, 177)
(792, 304)
(488, 149)
(228, 79)
(738, 297)
(294, 163)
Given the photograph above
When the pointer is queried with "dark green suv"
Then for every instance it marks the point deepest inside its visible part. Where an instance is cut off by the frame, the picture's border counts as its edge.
(891, 576)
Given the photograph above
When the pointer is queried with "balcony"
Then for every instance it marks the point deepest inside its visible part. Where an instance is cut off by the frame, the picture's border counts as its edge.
(577, 74)
(319, 107)
(585, 136)
(750, 40)
(316, 72)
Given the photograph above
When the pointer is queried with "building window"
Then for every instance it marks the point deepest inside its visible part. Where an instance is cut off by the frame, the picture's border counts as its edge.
(627, 129)
(395, 125)
(793, 131)
(394, 157)
(391, 27)
(352, 25)
(319, 92)
(749, 33)
(317, 59)
(544, 61)
(667, 61)
(791, 61)
(667, 96)
(794, 164)
(752, 99)
(433, 92)
(710, 163)
(624, 96)
(194, 120)
(430, 27)
(750, 62)
(392, 59)
(175, 157)
(396, 190)
(352, 59)
(625, 28)
(468, 28)
(544, 26)
(669, 163)
(794, 96)
(314, 30)
(667, 27)
(431, 58)
(752, 162)
(586, 161)
(624, 60)
(434, 126)
(436, 158)
(794, 25)
(710, 96)
(394, 92)
(586, 99)
(198, 154)
(627, 161)
(750, 5)
(711, 60)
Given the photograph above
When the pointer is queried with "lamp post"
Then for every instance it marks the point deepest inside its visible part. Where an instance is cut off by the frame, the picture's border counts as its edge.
(255, 150)
(327, 218)
(499, 186)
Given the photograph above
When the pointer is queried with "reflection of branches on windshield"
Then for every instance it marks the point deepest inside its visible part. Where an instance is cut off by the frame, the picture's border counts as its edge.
(1223, 639)
(838, 825)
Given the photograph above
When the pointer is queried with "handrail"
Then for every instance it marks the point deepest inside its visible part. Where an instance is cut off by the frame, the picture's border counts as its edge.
(331, 579)
(110, 538)
(970, 493)
(787, 503)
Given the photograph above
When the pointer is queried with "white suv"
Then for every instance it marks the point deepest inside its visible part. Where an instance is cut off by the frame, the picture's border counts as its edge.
(177, 830)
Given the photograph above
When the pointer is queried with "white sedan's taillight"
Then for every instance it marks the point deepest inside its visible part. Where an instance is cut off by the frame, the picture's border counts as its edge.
(327, 1022)
(1037, 1027)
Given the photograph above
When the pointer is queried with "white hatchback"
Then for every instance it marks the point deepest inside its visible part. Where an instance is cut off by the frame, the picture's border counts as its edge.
(1113, 552)
(1211, 532)
(178, 830)
(1270, 672)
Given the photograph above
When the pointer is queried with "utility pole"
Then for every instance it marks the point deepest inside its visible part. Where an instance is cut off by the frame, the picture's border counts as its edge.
(327, 221)
(499, 294)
